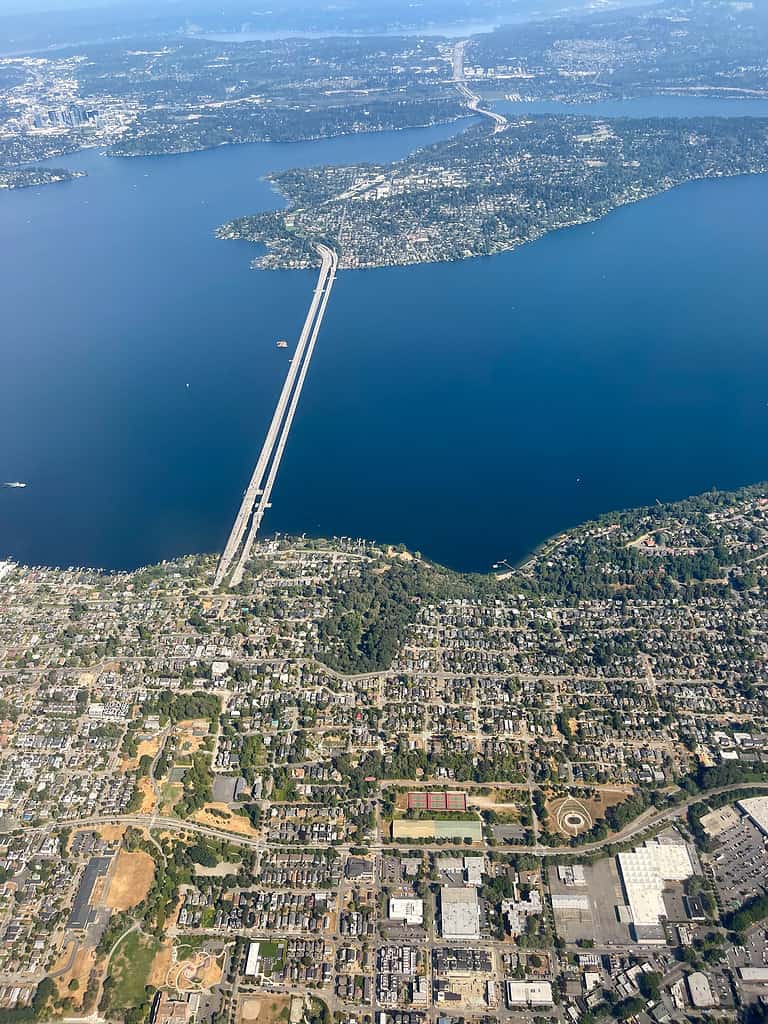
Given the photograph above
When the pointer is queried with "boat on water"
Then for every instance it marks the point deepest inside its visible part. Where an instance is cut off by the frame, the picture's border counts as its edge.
(282, 343)
(14, 483)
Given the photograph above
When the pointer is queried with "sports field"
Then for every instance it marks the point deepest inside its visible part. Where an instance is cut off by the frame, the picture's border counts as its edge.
(433, 828)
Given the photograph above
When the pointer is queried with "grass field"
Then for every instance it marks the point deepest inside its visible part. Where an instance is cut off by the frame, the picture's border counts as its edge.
(188, 944)
(431, 828)
(271, 951)
(170, 795)
(130, 969)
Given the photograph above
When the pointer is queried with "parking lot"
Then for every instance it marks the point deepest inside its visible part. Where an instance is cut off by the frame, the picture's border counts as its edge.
(740, 864)
(754, 952)
(600, 923)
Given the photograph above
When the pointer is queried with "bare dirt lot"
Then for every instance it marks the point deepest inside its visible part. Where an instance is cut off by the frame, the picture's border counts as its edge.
(218, 870)
(266, 1009)
(146, 748)
(80, 971)
(470, 989)
(148, 801)
(229, 822)
(111, 833)
(499, 800)
(161, 964)
(131, 880)
(192, 734)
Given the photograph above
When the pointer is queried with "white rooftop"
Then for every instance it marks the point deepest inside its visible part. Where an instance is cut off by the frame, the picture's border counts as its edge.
(409, 910)
(570, 901)
(459, 912)
(533, 993)
(757, 809)
(644, 872)
(253, 960)
(700, 990)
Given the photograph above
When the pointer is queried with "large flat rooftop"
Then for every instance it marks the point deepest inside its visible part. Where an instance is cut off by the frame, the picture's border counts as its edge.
(459, 912)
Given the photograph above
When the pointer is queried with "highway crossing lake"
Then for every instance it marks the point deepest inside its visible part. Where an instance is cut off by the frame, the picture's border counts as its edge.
(467, 409)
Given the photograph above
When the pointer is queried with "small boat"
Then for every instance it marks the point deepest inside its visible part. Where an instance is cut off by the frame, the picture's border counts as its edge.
(15, 483)
(282, 343)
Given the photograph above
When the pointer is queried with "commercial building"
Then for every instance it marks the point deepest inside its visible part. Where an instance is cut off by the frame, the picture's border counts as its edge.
(756, 807)
(167, 1010)
(253, 960)
(517, 911)
(473, 870)
(529, 993)
(755, 975)
(409, 911)
(644, 874)
(359, 869)
(83, 913)
(459, 912)
(700, 991)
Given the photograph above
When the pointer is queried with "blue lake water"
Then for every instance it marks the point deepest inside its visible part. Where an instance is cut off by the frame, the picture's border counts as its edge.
(468, 409)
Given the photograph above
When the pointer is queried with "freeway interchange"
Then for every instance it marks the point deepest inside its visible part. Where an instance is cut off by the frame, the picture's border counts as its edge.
(473, 100)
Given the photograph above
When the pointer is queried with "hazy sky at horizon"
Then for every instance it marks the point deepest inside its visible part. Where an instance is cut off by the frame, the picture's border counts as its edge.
(41, 6)
(58, 6)
(44, 6)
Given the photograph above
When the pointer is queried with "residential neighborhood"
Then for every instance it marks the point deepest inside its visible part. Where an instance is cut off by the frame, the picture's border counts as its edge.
(215, 804)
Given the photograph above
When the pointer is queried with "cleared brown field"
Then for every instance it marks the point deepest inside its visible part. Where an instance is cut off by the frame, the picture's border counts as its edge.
(110, 833)
(471, 989)
(264, 1009)
(131, 880)
(235, 823)
(498, 800)
(610, 796)
(415, 829)
(80, 971)
(148, 801)
(189, 742)
(146, 748)
(161, 964)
